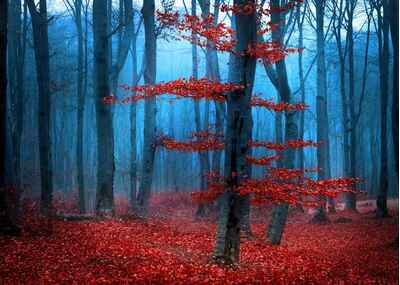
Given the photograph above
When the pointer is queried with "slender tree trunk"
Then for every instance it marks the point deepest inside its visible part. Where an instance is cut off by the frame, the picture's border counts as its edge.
(322, 109)
(133, 131)
(80, 107)
(41, 44)
(203, 156)
(394, 32)
(300, 21)
(105, 134)
(350, 198)
(381, 202)
(238, 133)
(150, 108)
(280, 211)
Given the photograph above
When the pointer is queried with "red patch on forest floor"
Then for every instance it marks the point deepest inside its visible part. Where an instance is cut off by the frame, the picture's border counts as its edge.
(177, 251)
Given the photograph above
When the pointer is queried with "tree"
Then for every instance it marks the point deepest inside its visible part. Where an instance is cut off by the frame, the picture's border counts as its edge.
(16, 57)
(322, 105)
(393, 9)
(5, 216)
(150, 108)
(280, 185)
(105, 136)
(41, 47)
(383, 38)
(135, 80)
(76, 11)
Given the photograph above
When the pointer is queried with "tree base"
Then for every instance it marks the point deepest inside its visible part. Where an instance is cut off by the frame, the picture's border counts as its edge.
(320, 218)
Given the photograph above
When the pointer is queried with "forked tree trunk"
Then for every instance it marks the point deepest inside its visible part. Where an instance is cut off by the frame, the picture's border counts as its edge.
(280, 211)
(238, 133)
(149, 136)
(41, 47)
(105, 134)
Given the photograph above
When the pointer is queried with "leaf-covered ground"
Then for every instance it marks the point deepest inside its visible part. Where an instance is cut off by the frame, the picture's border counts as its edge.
(177, 250)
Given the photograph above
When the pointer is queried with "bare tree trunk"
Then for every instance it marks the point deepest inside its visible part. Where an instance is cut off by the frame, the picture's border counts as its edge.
(133, 131)
(16, 86)
(80, 107)
(300, 22)
(105, 133)
(41, 44)
(150, 108)
(280, 211)
(381, 201)
(394, 32)
(238, 133)
(322, 109)
(5, 220)
(350, 198)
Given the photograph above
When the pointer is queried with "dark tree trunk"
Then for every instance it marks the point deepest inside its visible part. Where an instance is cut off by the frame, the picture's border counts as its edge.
(350, 198)
(279, 214)
(133, 131)
(105, 134)
(41, 46)
(394, 32)
(80, 107)
(322, 109)
(381, 202)
(150, 109)
(238, 133)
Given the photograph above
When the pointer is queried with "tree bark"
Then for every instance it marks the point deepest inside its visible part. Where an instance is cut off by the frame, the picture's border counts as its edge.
(105, 134)
(41, 47)
(394, 32)
(381, 202)
(280, 211)
(238, 133)
(322, 109)
(150, 108)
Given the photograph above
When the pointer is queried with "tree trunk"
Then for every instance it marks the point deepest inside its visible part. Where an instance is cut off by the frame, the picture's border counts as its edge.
(394, 32)
(133, 131)
(381, 202)
(149, 135)
(350, 198)
(279, 214)
(322, 110)
(80, 108)
(238, 133)
(105, 134)
(41, 47)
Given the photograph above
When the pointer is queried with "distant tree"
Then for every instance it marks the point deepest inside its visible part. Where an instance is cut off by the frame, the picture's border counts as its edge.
(41, 48)
(75, 8)
(150, 108)
(104, 127)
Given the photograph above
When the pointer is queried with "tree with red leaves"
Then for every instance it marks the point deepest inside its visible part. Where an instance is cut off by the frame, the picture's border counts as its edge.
(284, 185)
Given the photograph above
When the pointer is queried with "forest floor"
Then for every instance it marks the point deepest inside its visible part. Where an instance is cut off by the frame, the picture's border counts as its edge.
(172, 248)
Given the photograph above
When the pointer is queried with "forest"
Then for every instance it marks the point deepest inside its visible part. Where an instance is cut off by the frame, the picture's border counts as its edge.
(199, 142)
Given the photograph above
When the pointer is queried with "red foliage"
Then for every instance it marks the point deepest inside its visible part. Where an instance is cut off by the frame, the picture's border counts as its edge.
(250, 8)
(176, 251)
(285, 146)
(256, 101)
(196, 145)
(270, 52)
(266, 160)
(182, 88)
